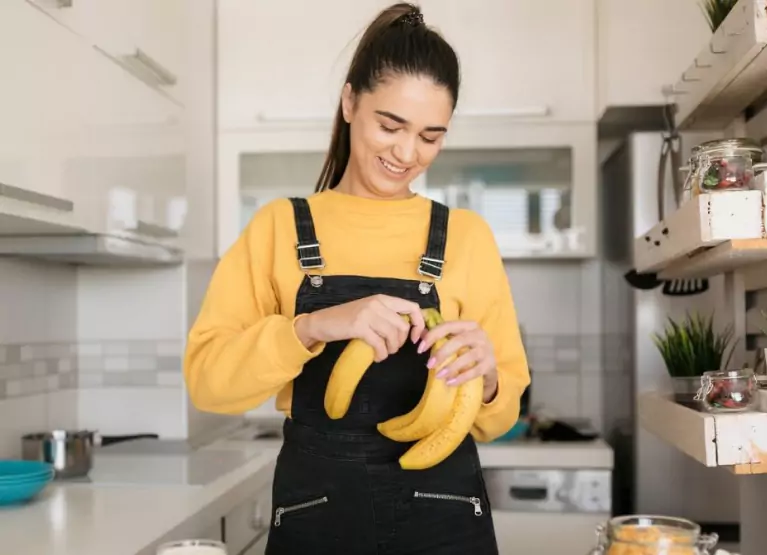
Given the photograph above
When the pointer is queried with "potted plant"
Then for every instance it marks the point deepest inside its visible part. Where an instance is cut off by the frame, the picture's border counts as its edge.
(716, 11)
(691, 347)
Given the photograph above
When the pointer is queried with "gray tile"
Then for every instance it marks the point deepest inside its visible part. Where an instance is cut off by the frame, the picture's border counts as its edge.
(116, 364)
(130, 379)
(90, 364)
(90, 380)
(568, 354)
(142, 348)
(2, 389)
(567, 341)
(169, 348)
(143, 363)
(12, 354)
(68, 380)
(116, 348)
(65, 365)
(569, 366)
(169, 363)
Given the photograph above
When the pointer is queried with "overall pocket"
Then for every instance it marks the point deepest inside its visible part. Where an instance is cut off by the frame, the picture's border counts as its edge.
(280, 512)
(475, 502)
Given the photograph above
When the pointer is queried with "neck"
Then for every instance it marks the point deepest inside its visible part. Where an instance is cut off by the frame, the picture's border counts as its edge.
(350, 184)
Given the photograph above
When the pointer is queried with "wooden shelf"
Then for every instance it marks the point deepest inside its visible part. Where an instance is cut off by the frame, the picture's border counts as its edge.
(728, 74)
(737, 441)
(707, 235)
(725, 257)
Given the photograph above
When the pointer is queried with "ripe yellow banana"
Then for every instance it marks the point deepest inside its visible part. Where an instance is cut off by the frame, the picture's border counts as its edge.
(347, 372)
(435, 404)
(437, 446)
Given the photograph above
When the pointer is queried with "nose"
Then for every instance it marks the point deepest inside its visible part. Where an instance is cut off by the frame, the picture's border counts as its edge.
(405, 150)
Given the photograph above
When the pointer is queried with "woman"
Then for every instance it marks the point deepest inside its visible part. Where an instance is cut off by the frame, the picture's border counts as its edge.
(306, 276)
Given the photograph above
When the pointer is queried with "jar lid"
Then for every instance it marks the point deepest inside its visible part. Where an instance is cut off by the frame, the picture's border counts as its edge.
(741, 143)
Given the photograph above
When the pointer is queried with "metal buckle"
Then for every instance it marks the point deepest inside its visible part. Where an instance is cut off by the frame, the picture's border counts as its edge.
(303, 260)
(426, 263)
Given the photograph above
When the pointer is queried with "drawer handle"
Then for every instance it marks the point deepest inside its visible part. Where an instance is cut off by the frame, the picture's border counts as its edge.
(528, 494)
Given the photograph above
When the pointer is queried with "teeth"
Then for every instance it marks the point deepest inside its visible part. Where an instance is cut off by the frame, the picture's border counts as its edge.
(389, 167)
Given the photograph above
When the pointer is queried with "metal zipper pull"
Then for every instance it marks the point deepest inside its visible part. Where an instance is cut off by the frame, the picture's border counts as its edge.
(477, 506)
(277, 516)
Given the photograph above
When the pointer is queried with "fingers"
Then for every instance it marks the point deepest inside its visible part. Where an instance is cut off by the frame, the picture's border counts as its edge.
(377, 342)
(410, 309)
(390, 331)
(466, 374)
(457, 328)
(452, 346)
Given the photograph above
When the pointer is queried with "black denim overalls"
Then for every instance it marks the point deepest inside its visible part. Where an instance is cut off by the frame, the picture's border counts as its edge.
(338, 488)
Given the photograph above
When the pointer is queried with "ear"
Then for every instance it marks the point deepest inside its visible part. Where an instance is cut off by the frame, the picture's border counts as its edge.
(347, 102)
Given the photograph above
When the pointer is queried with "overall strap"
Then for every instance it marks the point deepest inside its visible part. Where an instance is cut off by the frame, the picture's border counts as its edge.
(308, 247)
(434, 258)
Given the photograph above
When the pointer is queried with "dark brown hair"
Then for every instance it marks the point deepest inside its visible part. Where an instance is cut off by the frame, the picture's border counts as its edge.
(396, 42)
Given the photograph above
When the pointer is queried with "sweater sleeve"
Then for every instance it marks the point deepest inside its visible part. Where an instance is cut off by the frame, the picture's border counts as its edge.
(489, 302)
(241, 350)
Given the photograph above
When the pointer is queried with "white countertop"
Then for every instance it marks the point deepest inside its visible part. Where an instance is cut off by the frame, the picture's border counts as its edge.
(129, 519)
(141, 499)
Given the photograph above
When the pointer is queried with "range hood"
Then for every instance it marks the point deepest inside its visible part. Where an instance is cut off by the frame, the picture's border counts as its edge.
(90, 249)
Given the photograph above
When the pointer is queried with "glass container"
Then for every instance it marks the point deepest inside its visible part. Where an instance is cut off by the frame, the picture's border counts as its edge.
(728, 390)
(723, 165)
(652, 535)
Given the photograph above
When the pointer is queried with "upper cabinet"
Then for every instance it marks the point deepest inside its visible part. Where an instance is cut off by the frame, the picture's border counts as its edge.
(277, 67)
(644, 47)
(530, 59)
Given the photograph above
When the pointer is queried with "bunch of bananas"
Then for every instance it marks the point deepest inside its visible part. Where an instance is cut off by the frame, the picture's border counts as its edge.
(439, 423)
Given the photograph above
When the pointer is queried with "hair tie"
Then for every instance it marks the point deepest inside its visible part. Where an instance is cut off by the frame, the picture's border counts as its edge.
(413, 19)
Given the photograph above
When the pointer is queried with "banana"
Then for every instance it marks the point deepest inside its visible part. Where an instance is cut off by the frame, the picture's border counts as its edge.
(347, 372)
(435, 404)
(437, 446)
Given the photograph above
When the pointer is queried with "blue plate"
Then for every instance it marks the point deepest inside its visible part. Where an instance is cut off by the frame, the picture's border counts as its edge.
(518, 430)
(13, 494)
(21, 469)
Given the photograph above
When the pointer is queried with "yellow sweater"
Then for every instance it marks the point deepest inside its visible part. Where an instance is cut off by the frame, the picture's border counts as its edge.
(243, 348)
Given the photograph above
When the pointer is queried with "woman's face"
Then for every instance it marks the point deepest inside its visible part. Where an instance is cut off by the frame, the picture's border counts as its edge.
(396, 132)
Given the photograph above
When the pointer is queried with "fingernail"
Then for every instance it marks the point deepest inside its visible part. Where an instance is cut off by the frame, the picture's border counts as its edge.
(442, 373)
(431, 363)
(421, 347)
(452, 382)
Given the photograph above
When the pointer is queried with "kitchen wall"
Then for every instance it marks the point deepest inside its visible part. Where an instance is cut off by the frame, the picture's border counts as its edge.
(558, 307)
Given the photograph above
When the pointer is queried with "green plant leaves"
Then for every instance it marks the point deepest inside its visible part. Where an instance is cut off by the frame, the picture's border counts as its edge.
(716, 11)
(692, 347)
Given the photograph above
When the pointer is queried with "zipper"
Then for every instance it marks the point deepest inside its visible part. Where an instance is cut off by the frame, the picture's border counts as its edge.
(282, 510)
(447, 497)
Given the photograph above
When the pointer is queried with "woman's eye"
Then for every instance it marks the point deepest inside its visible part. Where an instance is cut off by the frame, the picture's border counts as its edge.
(429, 141)
(387, 129)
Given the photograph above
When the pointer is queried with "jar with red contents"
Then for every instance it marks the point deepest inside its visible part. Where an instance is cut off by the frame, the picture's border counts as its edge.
(723, 165)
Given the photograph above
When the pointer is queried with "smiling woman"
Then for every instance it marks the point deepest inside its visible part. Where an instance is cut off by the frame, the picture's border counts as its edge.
(309, 274)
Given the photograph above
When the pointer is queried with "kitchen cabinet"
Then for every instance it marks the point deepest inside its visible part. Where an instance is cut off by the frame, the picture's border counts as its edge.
(278, 68)
(530, 59)
(120, 27)
(258, 548)
(645, 46)
(76, 124)
(249, 522)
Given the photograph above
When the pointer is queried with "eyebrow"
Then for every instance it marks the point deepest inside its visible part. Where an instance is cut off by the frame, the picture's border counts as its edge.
(401, 120)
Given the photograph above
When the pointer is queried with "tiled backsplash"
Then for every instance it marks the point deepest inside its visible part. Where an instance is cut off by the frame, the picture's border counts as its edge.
(31, 369)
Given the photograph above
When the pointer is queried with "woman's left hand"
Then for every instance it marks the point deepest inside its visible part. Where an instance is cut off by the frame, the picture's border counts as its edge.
(476, 358)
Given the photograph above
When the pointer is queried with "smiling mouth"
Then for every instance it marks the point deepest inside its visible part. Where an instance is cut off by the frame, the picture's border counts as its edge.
(392, 168)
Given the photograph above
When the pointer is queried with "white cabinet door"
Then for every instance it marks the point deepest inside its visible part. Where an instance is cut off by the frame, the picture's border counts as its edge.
(644, 46)
(533, 533)
(523, 57)
(249, 521)
(276, 64)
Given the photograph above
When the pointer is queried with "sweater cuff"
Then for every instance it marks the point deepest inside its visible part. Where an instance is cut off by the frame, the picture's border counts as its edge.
(292, 352)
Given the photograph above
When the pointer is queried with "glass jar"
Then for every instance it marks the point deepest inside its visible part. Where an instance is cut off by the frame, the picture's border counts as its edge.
(652, 535)
(728, 390)
(723, 165)
(192, 547)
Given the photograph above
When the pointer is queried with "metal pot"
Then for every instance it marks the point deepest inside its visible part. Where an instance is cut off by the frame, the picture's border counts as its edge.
(70, 453)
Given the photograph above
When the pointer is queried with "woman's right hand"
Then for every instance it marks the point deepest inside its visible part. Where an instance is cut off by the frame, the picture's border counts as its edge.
(377, 320)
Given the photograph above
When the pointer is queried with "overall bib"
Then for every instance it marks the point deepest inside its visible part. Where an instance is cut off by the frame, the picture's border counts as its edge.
(338, 488)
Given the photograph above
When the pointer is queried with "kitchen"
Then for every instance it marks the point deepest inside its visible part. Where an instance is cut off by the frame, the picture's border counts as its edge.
(138, 138)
